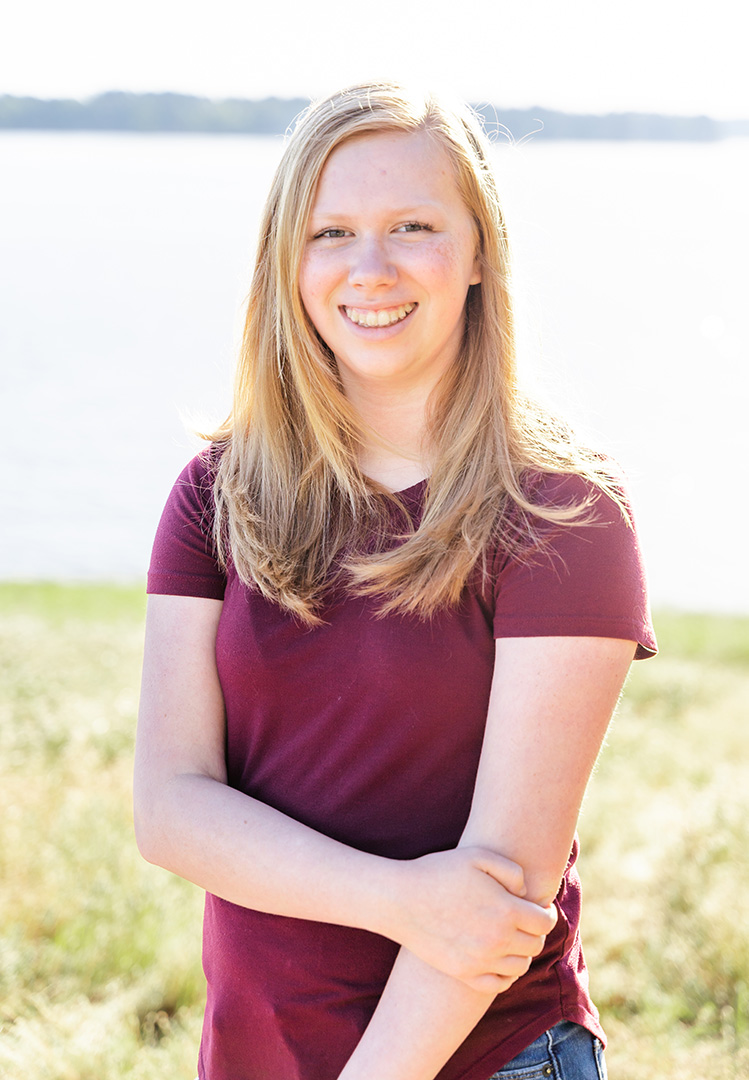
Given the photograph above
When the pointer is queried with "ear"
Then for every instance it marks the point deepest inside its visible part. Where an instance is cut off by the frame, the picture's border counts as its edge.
(475, 278)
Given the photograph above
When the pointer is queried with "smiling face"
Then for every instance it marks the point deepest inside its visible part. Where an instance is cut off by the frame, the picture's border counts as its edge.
(391, 252)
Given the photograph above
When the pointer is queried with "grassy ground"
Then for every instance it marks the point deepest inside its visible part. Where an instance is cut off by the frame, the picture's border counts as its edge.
(99, 952)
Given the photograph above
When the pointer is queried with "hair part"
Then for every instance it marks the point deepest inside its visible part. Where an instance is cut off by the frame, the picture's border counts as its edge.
(294, 511)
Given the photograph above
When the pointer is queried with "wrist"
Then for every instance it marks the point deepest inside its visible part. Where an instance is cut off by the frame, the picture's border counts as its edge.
(382, 900)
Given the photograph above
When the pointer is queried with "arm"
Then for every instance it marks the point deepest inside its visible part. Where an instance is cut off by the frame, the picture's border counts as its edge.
(186, 817)
(551, 702)
(190, 821)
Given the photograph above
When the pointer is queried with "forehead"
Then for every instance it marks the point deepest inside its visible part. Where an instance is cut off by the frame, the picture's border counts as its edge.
(410, 166)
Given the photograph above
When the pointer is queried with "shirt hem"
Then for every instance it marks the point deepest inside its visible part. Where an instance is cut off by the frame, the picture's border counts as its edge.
(570, 626)
(497, 1058)
(169, 585)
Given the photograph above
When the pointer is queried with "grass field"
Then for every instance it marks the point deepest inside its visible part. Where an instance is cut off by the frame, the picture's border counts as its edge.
(100, 953)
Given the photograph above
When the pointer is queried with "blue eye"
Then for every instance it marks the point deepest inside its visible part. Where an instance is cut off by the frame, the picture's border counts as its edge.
(415, 226)
(330, 234)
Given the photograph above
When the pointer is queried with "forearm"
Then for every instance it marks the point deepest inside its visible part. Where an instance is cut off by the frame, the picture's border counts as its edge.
(251, 854)
(550, 705)
(248, 853)
(422, 1018)
(424, 1015)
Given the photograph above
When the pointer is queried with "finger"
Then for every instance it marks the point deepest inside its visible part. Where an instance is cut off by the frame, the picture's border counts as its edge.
(512, 966)
(509, 874)
(490, 984)
(534, 919)
(524, 944)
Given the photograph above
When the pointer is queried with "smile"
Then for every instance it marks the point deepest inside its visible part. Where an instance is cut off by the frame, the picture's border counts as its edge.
(383, 317)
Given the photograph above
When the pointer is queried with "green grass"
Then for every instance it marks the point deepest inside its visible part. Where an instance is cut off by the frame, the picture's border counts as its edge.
(665, 864)
(55, 603)
(100, 953)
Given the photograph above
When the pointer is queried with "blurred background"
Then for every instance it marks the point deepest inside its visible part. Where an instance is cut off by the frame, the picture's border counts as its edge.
(621, 137)
(125, 256)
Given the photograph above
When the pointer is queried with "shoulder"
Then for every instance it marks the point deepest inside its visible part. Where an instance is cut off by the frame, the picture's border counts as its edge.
(200, 472)
(191, 497)
(571, 491)
(184, 557)
(585, 576)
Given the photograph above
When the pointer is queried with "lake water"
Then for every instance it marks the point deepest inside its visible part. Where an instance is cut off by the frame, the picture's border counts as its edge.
(124, 261)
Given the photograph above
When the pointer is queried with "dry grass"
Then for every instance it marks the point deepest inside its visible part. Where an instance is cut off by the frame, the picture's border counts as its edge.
(665, 834)
(99, 952)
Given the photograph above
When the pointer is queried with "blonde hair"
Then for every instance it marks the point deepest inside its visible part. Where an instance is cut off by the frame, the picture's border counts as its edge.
(294, 511)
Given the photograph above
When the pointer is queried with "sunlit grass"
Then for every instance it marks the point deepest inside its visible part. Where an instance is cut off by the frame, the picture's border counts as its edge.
(665, 864)
(100, 953)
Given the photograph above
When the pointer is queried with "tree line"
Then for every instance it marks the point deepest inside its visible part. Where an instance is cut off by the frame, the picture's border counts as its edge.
(118, 110)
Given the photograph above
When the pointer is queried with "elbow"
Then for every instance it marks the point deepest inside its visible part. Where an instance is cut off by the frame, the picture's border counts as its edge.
(541, 876)
(150, 823)
(164, 817)
(146, 836)
(546, 897)
(542, 888)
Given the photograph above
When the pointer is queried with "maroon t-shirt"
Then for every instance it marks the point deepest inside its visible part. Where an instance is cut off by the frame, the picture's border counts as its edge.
(369, 730)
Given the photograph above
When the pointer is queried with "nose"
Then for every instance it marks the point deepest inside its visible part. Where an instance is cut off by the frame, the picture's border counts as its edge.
(371, 265)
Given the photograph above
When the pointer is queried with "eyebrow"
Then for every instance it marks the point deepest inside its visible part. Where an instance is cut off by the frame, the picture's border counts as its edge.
(414, 210)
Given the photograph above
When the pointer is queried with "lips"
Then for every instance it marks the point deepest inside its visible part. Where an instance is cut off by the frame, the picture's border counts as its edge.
(381, 317)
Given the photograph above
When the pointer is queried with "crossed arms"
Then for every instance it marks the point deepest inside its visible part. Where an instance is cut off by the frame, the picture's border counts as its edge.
(469, 920)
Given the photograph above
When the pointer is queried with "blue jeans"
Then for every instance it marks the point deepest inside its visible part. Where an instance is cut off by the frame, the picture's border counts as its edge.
(564, 1052)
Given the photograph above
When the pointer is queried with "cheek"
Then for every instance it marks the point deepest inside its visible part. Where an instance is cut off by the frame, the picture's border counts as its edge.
(306, 282)
(446, 266)
(315, 283)
(314, 290)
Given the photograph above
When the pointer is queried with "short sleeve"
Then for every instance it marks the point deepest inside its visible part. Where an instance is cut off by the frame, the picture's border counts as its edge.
(587, 580)
(183, 559)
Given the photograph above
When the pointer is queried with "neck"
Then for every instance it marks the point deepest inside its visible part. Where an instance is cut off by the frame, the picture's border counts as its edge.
(395, 456)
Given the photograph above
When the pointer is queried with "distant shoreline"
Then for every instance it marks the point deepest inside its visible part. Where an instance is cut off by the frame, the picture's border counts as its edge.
(185, 114)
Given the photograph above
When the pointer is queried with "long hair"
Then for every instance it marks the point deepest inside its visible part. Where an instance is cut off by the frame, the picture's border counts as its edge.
(294, 512)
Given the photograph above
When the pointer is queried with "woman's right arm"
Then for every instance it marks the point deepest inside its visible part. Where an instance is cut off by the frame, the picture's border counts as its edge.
(186, 817)
(471, 921)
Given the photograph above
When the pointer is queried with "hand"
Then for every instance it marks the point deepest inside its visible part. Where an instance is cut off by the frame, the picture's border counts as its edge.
(462, 912)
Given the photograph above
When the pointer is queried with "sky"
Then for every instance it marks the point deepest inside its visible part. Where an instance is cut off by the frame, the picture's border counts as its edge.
(671, 56)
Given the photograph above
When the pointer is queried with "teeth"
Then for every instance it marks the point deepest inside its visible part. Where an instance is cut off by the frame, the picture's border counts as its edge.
(385, 317)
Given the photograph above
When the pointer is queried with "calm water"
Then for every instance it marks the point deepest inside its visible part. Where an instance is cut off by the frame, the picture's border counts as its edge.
(124, 261)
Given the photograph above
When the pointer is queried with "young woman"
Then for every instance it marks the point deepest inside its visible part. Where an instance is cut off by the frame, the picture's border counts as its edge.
(393, 606)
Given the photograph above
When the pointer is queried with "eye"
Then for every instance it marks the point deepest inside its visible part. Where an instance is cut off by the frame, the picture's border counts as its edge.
(330, 234)
(414, 226)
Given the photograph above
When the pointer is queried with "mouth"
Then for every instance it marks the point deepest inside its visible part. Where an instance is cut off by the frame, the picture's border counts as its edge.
(382, 317)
